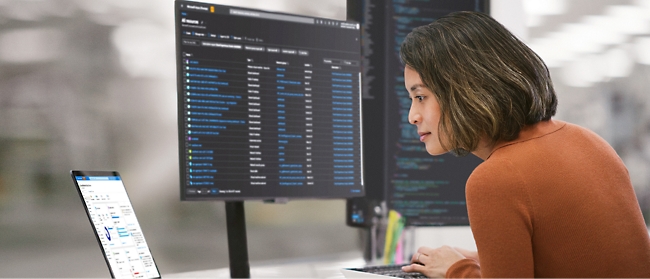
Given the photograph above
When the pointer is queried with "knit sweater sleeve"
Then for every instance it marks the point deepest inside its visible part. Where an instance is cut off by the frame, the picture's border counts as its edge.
(500, 215)
(466, 268)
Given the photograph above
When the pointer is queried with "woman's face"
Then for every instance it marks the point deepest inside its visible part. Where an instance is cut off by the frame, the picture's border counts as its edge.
(424, 112)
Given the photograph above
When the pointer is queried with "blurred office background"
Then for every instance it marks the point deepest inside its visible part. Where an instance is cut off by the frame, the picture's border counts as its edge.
(90, 84)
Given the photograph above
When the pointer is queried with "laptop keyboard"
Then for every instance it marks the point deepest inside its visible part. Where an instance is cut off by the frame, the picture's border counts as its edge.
(390, 270)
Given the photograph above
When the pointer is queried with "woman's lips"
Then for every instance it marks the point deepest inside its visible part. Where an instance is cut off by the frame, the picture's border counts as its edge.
(422, 136)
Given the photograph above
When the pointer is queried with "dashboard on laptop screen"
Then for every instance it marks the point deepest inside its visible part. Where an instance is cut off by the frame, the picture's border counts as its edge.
(116, 226)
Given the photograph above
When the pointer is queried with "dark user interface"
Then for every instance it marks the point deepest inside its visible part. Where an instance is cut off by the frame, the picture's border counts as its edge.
(269, 104)
(427, 190)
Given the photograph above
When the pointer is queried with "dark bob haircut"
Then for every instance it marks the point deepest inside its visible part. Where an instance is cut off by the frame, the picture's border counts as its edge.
(488, 83)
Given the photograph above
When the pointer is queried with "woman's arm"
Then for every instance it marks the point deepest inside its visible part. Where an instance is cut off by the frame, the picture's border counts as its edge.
(500, 215)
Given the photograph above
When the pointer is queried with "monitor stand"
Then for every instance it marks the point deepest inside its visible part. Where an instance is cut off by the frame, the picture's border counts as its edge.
(237, 245)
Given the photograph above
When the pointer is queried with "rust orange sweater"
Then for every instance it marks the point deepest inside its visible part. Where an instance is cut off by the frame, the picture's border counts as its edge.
(555, 202)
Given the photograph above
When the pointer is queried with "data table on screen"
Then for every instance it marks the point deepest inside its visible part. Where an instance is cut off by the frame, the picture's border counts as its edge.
(269, 105)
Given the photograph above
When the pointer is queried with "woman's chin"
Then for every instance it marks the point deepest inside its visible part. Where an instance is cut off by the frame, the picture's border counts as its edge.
(435, 151)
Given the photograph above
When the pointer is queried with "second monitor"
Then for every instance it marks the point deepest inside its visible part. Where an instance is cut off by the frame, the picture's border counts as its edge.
(269, 104)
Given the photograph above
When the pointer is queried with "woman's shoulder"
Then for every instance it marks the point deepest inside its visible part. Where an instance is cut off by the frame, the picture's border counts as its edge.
(582, 137)
(494, 171)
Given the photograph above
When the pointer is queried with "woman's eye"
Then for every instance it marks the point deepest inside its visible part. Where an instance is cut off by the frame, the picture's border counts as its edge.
(418, 98)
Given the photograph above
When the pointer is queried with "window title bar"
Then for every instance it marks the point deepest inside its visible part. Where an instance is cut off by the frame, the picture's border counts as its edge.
(219, 9)
(97, 177)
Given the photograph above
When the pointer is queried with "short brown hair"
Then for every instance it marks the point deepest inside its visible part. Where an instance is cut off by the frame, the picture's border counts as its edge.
(487, 82)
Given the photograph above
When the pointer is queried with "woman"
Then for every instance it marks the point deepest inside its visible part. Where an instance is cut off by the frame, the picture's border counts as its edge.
(551, 199)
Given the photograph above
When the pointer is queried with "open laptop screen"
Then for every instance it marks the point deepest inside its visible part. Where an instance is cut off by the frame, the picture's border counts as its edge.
(115, 224)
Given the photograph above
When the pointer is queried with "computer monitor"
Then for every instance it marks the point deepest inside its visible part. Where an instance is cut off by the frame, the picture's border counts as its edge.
(427, 190)
(269, 105)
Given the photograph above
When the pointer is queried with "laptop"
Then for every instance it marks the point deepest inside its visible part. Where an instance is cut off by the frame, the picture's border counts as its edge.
(113, 220)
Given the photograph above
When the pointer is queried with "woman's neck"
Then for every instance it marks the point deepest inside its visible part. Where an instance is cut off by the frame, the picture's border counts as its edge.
(484, 149)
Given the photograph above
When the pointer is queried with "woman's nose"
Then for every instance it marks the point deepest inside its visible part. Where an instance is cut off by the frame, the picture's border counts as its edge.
(414, 116)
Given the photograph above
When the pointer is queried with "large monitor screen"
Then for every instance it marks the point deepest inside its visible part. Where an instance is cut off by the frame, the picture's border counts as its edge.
(268, 104)
(427, 190)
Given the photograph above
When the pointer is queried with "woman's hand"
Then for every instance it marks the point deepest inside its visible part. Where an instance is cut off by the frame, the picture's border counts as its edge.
(434, 263)
(468, 254)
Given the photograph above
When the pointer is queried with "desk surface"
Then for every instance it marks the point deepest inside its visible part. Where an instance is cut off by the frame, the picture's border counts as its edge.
(328, 266)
